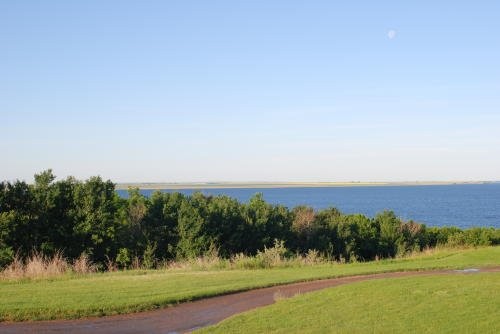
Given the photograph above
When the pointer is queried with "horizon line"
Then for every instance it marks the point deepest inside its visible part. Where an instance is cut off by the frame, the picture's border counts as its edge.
(285, 184)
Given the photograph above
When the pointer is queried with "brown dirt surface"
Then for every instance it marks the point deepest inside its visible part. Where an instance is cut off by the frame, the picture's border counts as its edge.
(189, 316)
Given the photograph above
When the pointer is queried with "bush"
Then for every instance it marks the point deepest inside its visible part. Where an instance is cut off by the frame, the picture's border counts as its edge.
(479, 237)
(474, 237)
(148, 259)
(313, 257)
(241, 261)
(6, 256)
(274, 256)
(123, 258)
(439, 236)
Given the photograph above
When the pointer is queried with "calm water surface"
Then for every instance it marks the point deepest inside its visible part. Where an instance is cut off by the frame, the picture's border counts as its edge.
(452, 205)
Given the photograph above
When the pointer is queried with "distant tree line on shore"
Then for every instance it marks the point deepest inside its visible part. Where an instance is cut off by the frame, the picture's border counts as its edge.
(89, 217)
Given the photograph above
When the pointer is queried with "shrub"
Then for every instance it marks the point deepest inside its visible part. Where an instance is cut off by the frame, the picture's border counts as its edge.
(148, 259)
(313, 257)
(241, 261)
(478, 236)
(123, 258)
(456, 239)
(209, 260)
(274, 256)
(440, 235)
(6, 256)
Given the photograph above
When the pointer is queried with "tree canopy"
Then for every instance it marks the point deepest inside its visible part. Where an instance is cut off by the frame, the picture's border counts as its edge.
(76, 217)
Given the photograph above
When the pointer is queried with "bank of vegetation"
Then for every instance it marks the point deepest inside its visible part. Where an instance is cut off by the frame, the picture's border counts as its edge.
(88, 226)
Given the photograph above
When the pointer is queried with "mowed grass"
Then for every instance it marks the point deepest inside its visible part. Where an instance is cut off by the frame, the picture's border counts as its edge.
(131, 291)
(460, 303)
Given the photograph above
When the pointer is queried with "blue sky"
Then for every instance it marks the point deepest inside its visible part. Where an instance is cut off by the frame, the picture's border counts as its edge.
(250, 90)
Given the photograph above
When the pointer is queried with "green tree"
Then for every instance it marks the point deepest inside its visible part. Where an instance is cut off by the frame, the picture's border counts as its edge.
(326, 239)
(390, 235)
(17, 213)
(226, 225)
(368, 236)
(303, 228)
(95, 218)
(193, 237)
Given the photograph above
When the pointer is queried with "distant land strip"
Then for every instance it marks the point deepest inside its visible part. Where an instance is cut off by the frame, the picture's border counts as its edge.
(222, 185)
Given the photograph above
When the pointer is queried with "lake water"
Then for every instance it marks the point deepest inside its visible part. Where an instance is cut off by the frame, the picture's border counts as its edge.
(437, 205)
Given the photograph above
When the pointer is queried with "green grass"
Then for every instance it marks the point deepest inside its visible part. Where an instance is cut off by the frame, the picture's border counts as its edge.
(465, 303)
(131, 291)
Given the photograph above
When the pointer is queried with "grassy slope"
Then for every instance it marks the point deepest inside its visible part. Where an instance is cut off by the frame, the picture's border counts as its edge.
(430, 304)
(122, 292)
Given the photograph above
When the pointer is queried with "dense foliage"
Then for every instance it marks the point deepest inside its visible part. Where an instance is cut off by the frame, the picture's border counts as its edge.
(89, 217)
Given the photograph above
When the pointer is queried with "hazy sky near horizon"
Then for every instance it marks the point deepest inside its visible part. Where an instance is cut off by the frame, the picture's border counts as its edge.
(180, 91)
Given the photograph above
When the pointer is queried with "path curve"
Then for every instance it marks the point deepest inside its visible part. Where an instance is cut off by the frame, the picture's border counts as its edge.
(192, 315)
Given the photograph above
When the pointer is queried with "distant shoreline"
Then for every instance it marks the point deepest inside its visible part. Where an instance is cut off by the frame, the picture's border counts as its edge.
(233, 185)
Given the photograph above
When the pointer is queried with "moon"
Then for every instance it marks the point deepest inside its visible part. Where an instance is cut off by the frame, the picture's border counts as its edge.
(391, 34)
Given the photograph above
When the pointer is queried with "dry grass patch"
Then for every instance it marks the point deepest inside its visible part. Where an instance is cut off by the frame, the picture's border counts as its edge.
(38, 266)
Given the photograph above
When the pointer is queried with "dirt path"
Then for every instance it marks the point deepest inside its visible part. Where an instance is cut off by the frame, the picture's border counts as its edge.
(192, 315)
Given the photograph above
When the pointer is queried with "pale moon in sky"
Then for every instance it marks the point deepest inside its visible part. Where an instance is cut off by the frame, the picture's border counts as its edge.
(391, 34)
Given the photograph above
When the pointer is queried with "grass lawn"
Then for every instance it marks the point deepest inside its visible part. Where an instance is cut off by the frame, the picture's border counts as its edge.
(131, 291)
(466, 303)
